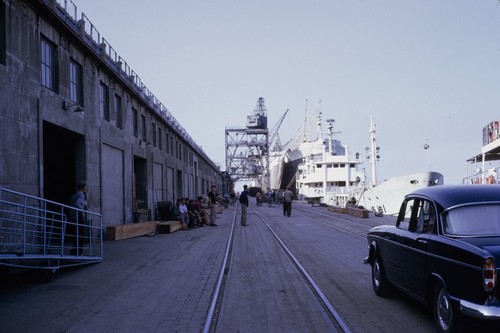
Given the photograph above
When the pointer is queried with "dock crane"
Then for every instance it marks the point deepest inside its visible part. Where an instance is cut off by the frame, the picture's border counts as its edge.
(275, 133)
(247, 148)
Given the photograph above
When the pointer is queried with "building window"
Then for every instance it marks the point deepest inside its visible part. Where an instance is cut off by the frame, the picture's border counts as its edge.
(48, 60)
(118, 112)
(159, 138)
(135, 123)
(167, 143)
(104, 101)
(76, 82)
(143, 123)
(153, 132)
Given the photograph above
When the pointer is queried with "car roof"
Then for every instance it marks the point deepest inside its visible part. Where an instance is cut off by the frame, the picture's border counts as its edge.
(448, 196)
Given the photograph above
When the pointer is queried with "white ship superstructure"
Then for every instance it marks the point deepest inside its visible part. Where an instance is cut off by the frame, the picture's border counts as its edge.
(484, 168)
(330, 170)
(332, 177)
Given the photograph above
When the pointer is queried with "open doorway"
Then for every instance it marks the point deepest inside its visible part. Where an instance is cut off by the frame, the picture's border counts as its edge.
(141, 205)
(64, 162)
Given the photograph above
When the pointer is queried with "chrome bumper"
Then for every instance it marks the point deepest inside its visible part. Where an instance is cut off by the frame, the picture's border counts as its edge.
(491, 311)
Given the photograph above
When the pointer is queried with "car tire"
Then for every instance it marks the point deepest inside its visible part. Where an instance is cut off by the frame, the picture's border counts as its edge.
(445, 316)
(381, 286)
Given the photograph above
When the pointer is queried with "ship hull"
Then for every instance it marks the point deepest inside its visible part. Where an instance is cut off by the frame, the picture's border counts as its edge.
(384, 198)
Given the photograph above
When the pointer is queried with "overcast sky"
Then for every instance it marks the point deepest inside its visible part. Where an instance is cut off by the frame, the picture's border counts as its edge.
(421, 68)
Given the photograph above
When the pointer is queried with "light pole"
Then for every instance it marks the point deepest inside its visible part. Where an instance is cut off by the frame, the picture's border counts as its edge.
(426, 147)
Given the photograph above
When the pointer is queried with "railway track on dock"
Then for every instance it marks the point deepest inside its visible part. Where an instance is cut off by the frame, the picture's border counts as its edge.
(217, 299)
(303, 273)
(355, 226)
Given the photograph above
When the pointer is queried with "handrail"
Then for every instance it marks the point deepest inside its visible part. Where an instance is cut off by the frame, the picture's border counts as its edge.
(29, 223)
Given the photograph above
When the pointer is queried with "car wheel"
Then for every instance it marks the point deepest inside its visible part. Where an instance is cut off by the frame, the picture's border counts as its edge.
(444, 314)
(380, 284)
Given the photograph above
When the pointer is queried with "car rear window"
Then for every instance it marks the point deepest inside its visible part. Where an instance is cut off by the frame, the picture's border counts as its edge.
(476, 220)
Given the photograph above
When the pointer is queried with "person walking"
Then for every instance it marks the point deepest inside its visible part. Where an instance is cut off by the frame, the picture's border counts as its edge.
(258, 199)
(212, 203)
(244, 205)
(287, 202)
(232, 195)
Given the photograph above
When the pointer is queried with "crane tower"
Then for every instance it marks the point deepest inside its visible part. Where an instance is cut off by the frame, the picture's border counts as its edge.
(247, 149)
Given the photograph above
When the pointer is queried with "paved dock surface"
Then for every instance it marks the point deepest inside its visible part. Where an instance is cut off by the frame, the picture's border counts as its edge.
(164, 283)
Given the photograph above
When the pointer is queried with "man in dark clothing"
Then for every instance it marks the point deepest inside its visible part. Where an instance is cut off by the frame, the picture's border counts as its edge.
(287, 202)
(244, 205)
(194, 217)
(212, 203)
(200, 212)
(75, 228)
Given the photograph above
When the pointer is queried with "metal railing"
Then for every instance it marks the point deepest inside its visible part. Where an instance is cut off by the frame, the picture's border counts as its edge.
(37, 233)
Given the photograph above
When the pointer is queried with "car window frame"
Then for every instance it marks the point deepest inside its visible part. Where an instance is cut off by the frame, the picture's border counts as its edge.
(412, 216)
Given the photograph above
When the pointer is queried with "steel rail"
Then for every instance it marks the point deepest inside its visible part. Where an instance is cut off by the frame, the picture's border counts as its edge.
(217, 296)
(310, 281)
(210, 321)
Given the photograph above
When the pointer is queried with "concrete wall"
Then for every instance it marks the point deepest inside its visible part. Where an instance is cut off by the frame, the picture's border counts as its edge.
(45, 149)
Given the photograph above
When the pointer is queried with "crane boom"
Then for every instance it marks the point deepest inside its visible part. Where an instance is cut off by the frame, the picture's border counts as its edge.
(274, 131)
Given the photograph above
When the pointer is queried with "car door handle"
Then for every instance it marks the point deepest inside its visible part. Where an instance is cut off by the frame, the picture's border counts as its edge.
(423, 241)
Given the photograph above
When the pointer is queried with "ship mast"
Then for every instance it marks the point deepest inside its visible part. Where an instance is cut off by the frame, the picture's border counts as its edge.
(319, 129)
(373, 152)
(305, 129)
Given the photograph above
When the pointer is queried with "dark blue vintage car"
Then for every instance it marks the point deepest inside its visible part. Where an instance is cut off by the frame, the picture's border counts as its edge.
(444, 251)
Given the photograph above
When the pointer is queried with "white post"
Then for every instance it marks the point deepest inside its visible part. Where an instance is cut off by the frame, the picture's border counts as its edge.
(373, 152)
(348, 170)
(325, 170)
(483, 174)
(426, 147)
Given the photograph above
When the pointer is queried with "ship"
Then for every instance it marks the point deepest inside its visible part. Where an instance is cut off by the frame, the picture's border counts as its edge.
(327, 174)
(484, 167)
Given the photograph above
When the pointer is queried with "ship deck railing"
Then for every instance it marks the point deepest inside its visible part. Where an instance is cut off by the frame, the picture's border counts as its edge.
(490, 176)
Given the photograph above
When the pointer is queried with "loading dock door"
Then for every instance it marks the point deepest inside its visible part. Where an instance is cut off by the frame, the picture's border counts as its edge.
(64, 162)
(158, 183)
(112, 186)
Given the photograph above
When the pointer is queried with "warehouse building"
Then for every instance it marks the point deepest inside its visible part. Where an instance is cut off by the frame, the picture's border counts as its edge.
(72, 109)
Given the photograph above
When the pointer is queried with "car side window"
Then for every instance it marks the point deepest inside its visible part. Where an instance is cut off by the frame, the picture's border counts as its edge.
(426, 217)
(405, 215)
(418, 216)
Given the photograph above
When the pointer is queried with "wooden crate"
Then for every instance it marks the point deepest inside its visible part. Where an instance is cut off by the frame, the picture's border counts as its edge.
(168, 227)
(336, 209)
(356, 212)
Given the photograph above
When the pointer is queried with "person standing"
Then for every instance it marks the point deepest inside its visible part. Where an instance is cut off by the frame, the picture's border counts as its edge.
(244, 205)
(75, 227)
(212, 203)
(287, 202)
(258, 199)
